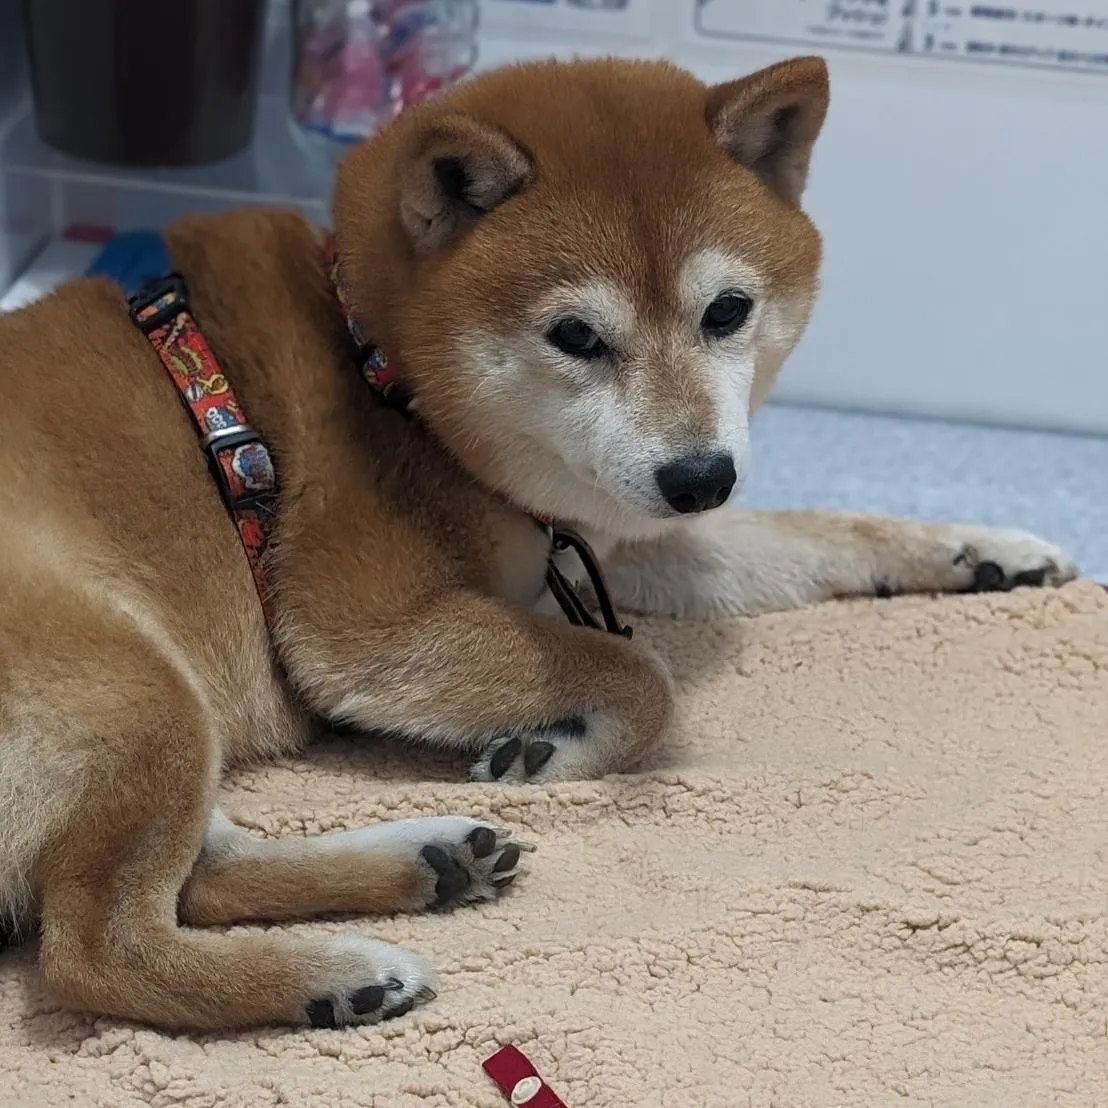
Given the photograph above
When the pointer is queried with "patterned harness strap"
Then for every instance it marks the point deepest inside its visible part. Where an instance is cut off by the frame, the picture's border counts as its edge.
(239, 460)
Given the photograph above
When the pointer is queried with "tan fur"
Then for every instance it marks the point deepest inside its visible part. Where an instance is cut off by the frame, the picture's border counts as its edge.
(134, 661)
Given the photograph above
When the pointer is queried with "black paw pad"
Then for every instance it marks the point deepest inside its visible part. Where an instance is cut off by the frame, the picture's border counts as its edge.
(367, 1000)
(402, 1009)
(508, 860)
(572, 726)
(1032, 577)
(453, 879)
(482, 841)
(988, 577)
(882, 590)
(321, 1013)
(536, 756)
(502, 760)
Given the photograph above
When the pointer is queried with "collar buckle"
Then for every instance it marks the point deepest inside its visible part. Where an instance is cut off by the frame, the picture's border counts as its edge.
(158, 302)
(216, 443)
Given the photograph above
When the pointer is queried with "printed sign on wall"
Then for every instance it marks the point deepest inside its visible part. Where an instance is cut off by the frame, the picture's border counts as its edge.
(1058, 34)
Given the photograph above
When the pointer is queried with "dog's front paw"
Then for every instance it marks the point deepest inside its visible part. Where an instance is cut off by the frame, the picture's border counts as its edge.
(986, 559)
(561, 752)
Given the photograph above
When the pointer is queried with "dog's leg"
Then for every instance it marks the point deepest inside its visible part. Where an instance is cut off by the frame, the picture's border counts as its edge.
(110, 879)
(401, 865)
(743, 563)
(536, 699)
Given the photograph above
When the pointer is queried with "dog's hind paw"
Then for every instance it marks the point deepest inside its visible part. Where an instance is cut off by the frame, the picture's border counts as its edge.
(370, 982)
(456, 860)
(476, 867)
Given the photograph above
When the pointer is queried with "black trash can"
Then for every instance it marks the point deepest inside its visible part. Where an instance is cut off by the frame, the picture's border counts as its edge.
(145, 82)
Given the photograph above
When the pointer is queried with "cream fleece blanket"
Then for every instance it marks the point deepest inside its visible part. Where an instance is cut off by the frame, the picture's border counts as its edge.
(872, 871)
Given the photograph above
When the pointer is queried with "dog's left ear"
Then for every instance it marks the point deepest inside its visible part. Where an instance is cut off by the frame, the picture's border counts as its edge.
(456, 170)
(769, 121)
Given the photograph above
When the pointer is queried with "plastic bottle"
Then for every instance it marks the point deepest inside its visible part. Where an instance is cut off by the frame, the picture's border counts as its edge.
(358, 62)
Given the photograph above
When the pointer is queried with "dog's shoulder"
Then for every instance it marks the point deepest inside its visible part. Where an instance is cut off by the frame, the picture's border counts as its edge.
(63, 353)
(252, 242)
(75, 307)
(250, 267)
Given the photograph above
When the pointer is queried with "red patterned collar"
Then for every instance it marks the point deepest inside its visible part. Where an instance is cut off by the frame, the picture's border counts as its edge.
(380, 374)
(384, 378)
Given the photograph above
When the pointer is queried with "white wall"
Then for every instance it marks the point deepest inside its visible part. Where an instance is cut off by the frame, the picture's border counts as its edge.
(964, 207)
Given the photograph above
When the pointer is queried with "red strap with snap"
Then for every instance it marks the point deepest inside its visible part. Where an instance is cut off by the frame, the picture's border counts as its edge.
(519, 1081)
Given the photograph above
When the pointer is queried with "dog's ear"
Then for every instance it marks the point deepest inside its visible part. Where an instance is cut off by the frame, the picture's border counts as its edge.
(769, 121)
(455, 171)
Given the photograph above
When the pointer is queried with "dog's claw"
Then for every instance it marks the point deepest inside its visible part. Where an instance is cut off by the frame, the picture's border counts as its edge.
(507, 833)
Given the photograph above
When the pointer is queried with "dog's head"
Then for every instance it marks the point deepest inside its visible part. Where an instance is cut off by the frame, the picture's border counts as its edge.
(590, 273)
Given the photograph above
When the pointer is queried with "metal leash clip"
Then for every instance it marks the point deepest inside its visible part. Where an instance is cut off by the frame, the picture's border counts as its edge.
(564, 593)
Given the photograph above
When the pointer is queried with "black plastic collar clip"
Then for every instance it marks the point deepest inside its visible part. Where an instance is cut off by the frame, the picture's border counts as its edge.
(172, 285)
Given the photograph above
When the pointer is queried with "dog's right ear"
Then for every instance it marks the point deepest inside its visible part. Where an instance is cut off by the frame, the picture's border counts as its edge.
(455, 171)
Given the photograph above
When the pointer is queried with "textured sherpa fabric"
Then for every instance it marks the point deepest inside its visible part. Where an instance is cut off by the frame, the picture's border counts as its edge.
(872, 870)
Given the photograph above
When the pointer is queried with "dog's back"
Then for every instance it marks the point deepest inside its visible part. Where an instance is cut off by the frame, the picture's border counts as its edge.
(58, 409)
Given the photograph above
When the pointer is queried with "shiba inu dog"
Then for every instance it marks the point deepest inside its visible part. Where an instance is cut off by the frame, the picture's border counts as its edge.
(585, 277)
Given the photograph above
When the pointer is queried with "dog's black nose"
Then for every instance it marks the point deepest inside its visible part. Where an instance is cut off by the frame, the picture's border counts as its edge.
(697, 483)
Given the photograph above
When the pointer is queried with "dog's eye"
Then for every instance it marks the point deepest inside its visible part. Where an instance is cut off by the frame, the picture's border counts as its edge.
(576, 338)
(726, 314)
